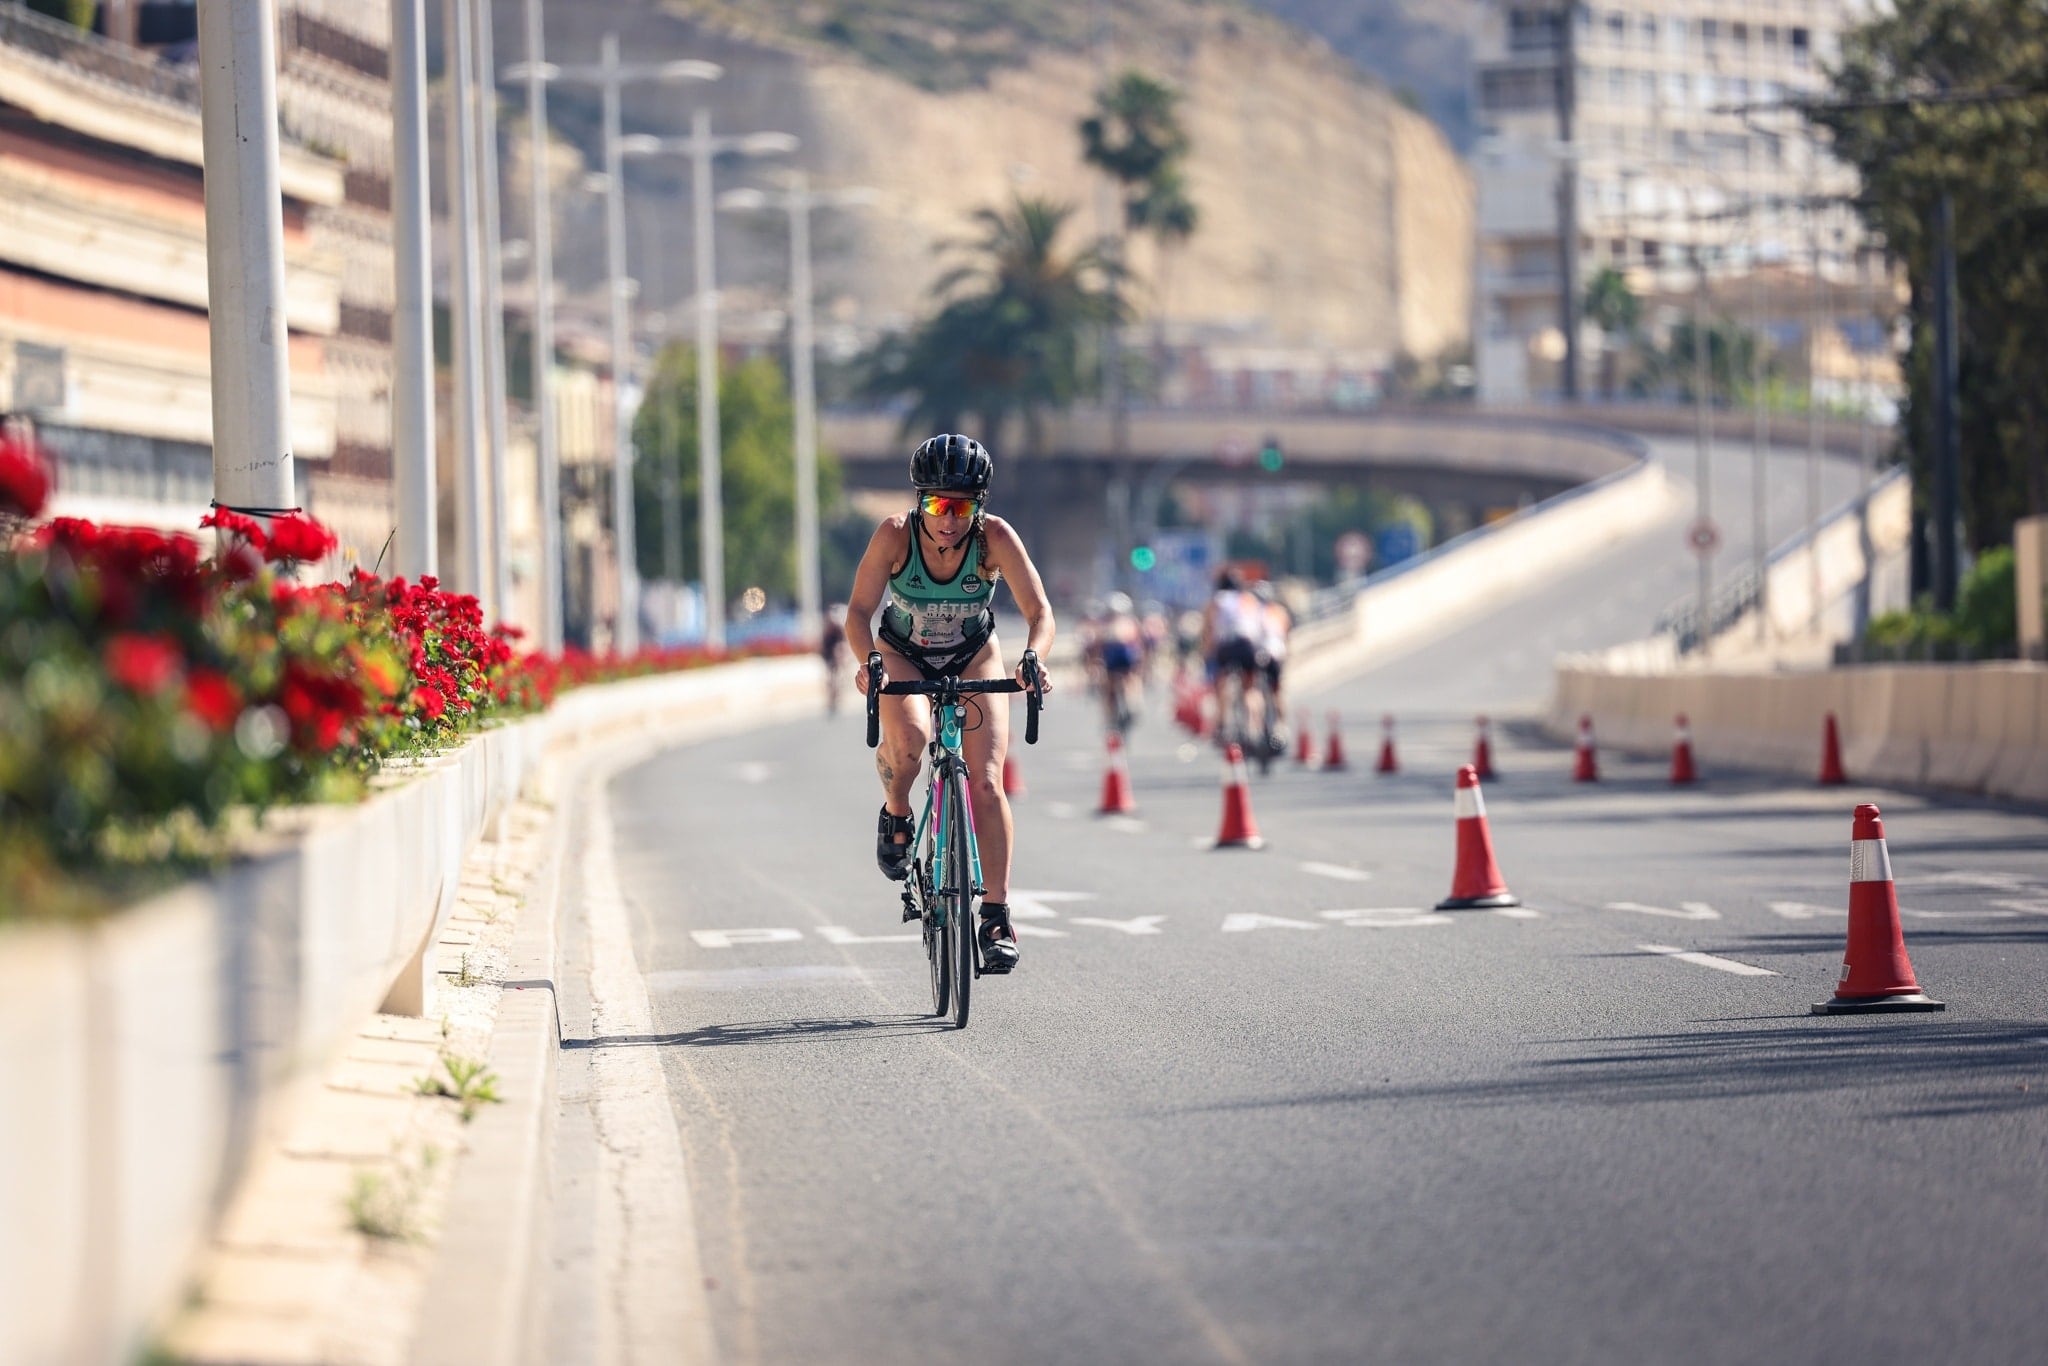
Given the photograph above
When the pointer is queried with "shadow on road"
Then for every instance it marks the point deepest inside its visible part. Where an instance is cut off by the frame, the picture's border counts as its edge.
(1972, 1068)
(771, 1031)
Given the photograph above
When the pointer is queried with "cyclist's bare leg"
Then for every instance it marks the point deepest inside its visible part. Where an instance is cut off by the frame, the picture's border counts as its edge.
(984, 743)
(906, 730)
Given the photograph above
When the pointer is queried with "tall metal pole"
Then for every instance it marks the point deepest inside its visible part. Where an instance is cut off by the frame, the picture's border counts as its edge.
(626, 636)
(1815, 318)
(544, 339)
(1568, 198)
(710, 494)
(466, 288)
(493, 350)
(1703, 456)
(252, 457)
(1760, 432)
(1947, 475)
(412, 324)
(804, 380)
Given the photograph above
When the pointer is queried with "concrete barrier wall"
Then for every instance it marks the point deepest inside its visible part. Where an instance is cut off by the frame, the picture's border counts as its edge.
(1473, 574)
(143, 1057)
(1979, 728)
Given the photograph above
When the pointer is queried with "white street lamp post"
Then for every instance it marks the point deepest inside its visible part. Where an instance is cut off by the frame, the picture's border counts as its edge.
(465, 298)
(412, 328)
(543, 253)
(610, 74)
(701, 147)
(799, 199)
(492, 348)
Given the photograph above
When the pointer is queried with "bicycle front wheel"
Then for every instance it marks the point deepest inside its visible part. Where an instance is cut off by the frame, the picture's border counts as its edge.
(932, 913)
(960, 902)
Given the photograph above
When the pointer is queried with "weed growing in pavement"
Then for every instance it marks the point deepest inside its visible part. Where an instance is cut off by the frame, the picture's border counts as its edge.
(385, 1204)
(467, 1082)
(463, 976)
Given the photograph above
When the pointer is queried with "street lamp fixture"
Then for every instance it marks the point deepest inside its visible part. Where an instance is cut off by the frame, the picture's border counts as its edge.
(701, 147)
(799, 199)
(609, 74)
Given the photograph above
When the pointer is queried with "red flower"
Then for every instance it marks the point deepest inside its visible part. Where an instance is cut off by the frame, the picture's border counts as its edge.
(235, 524)
(143, 664)
(213, 699)
(300, 538)
(24, 479)
(430, 701)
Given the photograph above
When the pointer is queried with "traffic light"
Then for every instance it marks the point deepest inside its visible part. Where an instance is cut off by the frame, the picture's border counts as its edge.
(1271, 457)
(1143, 557)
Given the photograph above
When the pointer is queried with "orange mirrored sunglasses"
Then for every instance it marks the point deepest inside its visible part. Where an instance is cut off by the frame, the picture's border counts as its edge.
(948, 505)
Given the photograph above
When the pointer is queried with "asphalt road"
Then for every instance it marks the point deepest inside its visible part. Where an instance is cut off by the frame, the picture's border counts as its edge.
(1268, 1107)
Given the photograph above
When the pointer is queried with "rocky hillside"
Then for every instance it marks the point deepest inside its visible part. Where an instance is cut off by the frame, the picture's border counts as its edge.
(1420, 48)
(1332, 215)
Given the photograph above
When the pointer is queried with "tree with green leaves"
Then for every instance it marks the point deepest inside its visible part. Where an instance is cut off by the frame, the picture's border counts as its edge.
(1135, 136)
(1613, 307)
(1007, 337)
(1991, 156)
(758, 470)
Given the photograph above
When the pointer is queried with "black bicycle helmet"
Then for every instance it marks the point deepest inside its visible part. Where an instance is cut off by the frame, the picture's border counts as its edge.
(953, 464)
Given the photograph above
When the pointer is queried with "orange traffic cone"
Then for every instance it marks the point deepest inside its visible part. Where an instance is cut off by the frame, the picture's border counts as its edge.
(1116, 782)
(1482, 754)
(1304, 743)
(1013, 777)
(1586, 769)
(1333, 757)
(1388, 763)
(1682, 770)
(1477, 883)
(1239, 830)
(1831, 774)
(1876, 975)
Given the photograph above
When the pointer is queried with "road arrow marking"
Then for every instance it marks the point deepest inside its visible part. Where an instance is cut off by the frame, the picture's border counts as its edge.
(1039, 905)
(726, 939)
(1029, 931)
(1694, 910)
(1708, 960)
(1386, 917)
(1337, 871)
(1142, 924)
(839, 934)
(1237, 922)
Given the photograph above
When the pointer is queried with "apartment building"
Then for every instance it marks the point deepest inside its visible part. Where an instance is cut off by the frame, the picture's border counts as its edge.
(1685, 176)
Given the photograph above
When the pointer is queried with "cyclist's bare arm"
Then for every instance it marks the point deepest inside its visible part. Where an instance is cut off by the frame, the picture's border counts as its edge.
(870, 582)
(1007, 556)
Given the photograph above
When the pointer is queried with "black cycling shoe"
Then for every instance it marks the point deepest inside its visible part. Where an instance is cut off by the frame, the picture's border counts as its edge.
(891, 857)
(998, 940)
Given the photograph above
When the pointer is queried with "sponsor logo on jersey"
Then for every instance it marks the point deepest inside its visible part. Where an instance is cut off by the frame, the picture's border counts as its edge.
(971, 584)
(917, 580)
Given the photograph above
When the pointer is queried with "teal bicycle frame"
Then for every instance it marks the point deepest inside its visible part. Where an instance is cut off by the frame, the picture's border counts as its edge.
(946, 761)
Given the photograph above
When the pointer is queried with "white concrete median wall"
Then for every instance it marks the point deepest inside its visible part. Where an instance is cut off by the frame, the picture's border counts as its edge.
(144, 1056)
(1967, 727)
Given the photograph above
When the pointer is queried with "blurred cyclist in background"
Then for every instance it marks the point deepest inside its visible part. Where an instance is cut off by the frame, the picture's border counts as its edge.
(1120, 649)
(832, 648)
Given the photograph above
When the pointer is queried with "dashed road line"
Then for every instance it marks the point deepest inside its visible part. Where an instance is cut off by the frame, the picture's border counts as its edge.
(1689, 910)
(1337, 871)
(1707, 960)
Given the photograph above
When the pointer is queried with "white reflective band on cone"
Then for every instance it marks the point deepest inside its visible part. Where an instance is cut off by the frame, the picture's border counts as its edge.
(1470, 804)
(1869, 861)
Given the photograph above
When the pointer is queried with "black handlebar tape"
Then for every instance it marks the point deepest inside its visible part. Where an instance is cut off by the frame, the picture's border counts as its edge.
(1034, 698)
(874, 700)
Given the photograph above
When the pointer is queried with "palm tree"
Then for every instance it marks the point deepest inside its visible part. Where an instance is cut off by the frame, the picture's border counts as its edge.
(1135, 132)
(1006, 338)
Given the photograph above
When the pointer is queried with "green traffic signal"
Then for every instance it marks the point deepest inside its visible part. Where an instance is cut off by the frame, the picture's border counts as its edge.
(1143, 557)
(1271, 457)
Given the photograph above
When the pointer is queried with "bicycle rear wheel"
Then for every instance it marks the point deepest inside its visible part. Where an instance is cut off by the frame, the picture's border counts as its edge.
(960, 900)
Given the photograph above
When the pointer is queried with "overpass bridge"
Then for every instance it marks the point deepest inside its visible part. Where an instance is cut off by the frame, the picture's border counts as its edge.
(1088, 485)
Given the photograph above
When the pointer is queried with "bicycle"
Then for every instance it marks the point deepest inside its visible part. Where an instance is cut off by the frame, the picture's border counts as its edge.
(945, 871)
(1233, 722)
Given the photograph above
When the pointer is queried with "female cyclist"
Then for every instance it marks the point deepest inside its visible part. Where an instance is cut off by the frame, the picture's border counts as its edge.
(937, 565)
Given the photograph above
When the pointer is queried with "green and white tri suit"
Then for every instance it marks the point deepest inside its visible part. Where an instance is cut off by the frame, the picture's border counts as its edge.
(940, 625)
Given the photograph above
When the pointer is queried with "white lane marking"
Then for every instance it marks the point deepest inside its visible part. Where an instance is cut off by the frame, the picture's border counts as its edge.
(754, 772)
(1708, 960)
(1337, 871)
(1030, 931)
(1238, 922)
(2028, 907)
(1140, 924)
(1806, 910)
(2000, 882)
(725, 939)
(1693, 910)
(1062, 811)
(839, 934)
(1386, 917)
(1031, 905)
(1518, 912)
(1125, 825)
(741, 979)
